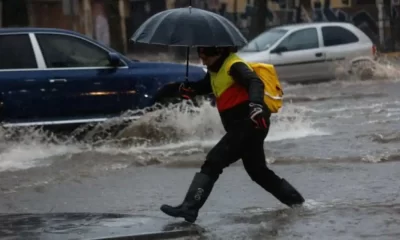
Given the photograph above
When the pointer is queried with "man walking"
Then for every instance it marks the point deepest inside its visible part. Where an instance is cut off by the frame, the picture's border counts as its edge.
(239, 98)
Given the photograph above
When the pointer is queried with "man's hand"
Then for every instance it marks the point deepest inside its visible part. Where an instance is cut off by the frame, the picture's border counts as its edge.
(258, 116)
(186, 92)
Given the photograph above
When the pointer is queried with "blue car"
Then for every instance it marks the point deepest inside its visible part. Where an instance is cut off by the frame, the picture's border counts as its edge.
(57, 77)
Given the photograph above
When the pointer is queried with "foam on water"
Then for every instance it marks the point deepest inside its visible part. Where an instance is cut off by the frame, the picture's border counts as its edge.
(25, 156)
(384, 70)
(178, 129)
(293, 123)
(186, 130)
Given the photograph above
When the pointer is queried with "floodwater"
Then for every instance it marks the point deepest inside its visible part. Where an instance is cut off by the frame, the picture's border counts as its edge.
(336, 142)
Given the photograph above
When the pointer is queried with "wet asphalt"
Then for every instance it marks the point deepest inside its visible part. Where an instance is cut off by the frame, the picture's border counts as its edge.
(337, 143)
(343, 201)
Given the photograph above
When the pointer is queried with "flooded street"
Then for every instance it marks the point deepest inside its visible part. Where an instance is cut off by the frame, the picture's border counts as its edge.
(337, 142)
(343, 201)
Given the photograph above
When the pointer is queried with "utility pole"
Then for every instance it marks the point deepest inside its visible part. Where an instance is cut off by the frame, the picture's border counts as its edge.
(114, 18)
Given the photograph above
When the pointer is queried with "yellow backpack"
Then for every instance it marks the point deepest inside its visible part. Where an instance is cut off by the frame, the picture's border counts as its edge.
(273, 92)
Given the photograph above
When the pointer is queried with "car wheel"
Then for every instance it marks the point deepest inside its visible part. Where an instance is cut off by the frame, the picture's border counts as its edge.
(363, 70)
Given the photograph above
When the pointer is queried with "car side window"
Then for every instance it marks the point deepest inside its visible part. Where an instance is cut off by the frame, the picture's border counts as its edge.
(64, 51)
(16, 52)
(335, 35)
(301, 40)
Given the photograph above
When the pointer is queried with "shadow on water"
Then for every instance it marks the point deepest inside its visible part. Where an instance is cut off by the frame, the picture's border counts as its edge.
(91, 226)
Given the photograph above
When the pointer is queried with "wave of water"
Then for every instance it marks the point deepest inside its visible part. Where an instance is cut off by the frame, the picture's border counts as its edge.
(177, 130)
(384, 70)
(184, 130)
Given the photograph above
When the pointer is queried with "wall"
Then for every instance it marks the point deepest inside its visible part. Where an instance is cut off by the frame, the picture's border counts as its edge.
(45, 13)
(49, 13)
(13, 13)
(364, 16)
(362, 13)
(101, 27)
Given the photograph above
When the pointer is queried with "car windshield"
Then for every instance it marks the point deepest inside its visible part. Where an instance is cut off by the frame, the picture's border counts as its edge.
(264, 40)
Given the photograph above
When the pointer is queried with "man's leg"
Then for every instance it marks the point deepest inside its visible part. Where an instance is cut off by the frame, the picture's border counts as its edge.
(254, 163)
(222, 155)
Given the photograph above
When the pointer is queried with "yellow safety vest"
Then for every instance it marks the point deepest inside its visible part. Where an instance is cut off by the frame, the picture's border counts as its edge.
(228, 93)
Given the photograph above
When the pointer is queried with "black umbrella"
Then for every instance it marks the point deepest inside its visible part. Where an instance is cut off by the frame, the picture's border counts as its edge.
(189, 27)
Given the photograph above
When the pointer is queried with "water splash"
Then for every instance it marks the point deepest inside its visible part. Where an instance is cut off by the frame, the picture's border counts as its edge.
(292, 123)
(383, 69)
(178, 129)
(175, 130)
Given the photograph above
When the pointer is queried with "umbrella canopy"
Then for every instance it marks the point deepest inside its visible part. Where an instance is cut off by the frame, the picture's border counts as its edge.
(189, 27)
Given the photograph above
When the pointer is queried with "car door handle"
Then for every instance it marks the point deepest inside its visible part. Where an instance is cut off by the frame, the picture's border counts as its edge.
(54, 80)
(319, 54)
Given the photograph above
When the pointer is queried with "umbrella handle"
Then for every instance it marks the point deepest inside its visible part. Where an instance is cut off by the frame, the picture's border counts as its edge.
(187, 64)
(188, 52)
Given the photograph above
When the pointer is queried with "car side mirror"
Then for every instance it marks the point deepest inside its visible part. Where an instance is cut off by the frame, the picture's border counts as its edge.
(114, 59)
(279, 50)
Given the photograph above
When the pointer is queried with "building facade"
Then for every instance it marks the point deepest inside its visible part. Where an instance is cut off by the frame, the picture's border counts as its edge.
(114, 21)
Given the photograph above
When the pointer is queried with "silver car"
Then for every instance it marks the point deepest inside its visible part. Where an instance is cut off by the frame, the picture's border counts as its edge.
(310, 52)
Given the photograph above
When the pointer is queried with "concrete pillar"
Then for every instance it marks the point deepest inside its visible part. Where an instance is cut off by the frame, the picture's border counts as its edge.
(87, 18)
(122, 14)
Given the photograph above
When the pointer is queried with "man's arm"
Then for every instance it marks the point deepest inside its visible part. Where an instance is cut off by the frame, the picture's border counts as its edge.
(259, 112)
(202, 87)
(243, 75)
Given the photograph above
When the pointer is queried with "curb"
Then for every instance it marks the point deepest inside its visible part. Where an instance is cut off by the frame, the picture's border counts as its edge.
(154, 235)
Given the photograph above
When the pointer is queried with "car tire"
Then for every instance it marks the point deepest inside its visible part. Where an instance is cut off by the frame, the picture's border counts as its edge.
(363, 70)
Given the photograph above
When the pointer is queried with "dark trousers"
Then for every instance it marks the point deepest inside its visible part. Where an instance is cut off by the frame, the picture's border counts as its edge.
(247, 143)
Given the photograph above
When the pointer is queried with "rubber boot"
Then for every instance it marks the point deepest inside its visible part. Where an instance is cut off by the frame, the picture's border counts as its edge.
(196, 196)
(287, 194)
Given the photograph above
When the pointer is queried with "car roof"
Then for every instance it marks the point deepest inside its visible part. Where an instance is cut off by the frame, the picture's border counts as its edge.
(33, 30)
(23, 30)
(313, 24)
